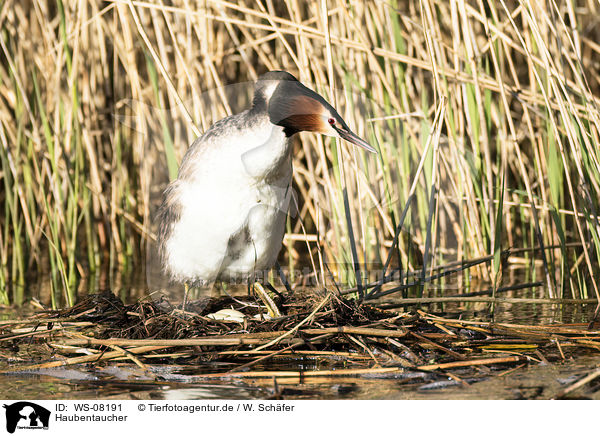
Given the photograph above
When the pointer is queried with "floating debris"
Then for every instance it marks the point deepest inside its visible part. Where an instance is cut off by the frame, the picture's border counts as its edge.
(318, 338)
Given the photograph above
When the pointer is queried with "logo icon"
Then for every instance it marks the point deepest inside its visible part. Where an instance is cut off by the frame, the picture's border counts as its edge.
(26, 415)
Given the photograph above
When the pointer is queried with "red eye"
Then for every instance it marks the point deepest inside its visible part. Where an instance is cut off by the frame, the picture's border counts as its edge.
(331, 121)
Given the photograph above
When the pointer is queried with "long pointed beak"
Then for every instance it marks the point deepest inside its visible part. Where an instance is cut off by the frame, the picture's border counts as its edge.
(349, 136)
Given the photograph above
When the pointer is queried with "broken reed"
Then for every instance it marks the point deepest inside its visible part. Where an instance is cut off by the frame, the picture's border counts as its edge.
(99, 101)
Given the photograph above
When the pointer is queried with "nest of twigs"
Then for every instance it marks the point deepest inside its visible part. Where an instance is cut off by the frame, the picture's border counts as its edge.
(355, 338)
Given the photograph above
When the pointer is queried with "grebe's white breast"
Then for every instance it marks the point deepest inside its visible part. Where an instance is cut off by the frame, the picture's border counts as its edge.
(229, 203)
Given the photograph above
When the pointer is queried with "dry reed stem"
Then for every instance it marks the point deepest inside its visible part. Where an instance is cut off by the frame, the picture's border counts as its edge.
(85, 359)
(578, 384)
(294, 329)
(473, 362)
(236, 339)
(130, 356)
(301, 375)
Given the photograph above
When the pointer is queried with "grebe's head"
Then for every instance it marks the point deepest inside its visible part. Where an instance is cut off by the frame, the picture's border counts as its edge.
(296, 108)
